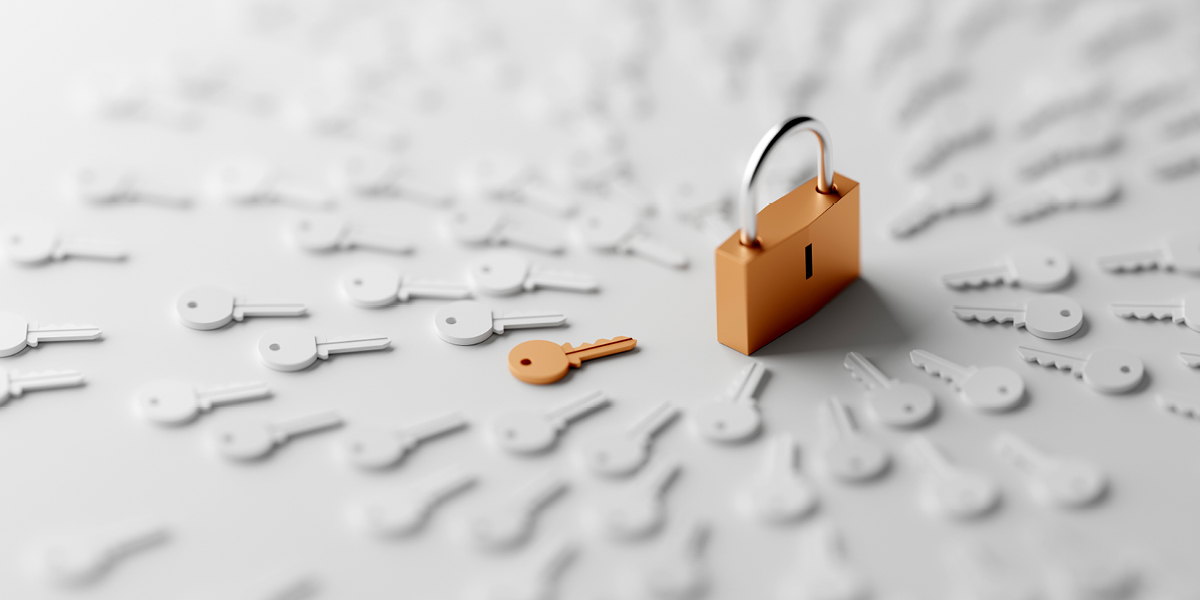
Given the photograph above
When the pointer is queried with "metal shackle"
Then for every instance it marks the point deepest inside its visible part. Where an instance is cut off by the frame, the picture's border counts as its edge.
(747, 204)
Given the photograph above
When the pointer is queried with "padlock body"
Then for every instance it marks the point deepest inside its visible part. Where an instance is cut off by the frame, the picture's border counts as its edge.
(808, 252)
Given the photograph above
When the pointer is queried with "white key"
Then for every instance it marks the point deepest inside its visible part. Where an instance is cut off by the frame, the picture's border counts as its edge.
(848, 455)
(1179, 252)
(822, 569)
(615, 229)
(209, 307)
(977, 572)
(541, 582)
(495, 177)
(734, 417)
(505, 274)
(1176, 162)
(623, 454)
(957, 129)
(1180, 123)
(329, 233)
(1037, 268)
(377, 448)
(468, 322)
(170, 402)
(1055, 481)
(251, 440)
(375, 286)
(39, 243)
(780, 494)
(548, 197)
(1180, 404)
(296, 348)
(1107, 370)
(959, 191)
(408, 512)
(1081, 567)
(91, 185)
(1051, 98)
(1185, 311)
(14, 384)
(510, 522)
(680, 572)
(85, 559)
(993, 389)
(1087, 186)
(530, 431)
(16, 333)
(381, 178)
(249, 184)
(1191, 359)
(482, 225)
(1048, 316)
(1088, 139)
(948, 490)
(640, 510)
(892, 402)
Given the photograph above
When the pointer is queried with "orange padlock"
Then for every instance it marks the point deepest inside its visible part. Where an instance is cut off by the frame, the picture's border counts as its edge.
(774, 277)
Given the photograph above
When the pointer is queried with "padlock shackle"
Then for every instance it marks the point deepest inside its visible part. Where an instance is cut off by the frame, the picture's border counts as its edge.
(746, 203)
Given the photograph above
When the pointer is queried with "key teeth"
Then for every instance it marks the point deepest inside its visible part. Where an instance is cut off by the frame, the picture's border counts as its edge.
(932, 369)
(1144, 314)
(1128, 266)
(1190, 359)
(1033, 356)
(1178, 408)
(979, 281)
(984, 317)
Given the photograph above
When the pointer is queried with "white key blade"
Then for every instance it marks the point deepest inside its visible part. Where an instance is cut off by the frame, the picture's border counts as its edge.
(89, 249)
(294, 195)
(1149, 311)
(1132, 261)
(435, 427)
(655, 251)
(374, 241)
(529, 240)
(1016, 316)
(839, 418)
(550, 565)
(61, 333)
(243, 309)
(1033, 205)
(1020, 454)
(426, 288)
(1184, 405)
(561, 281)
(529, 320)
(442, 485)
(1190, 359)
(781, 456)
(744, 387)
(936, 365)
(652, 422)
(539, 493)
(913, 218)
(307, 424)
(232, 394)
(931, 456)
(1046, 358)
(358, 344)
(579, 407)
(863, 370)
(979, 278)
(19, 383)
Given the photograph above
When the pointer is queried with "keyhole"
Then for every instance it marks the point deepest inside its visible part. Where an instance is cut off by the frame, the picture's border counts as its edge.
(486, 268)
(1064, 312)
(526, 362)
(601, 458)
(451, 320)
(510, 433)
(908, 408)
(191, 305)
(152, 400)
(358, 448)
(274, 346)
(357, 282)
(719, 425)
(1124, 369)
(16, 239)
(305, 225)
(1002, 389)
(228, 438)
(1050, 262)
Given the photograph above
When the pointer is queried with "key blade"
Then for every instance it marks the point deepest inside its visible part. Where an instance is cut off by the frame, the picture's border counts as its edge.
(561, 281)
(427, 288)
(1019, 453)
(530, 240)
(745, 386)
(233, 393)
(978, 278)
(1149, 311)
(445, 483)
(1132, 261)
(863, 370)
(1016, 316)
(654, 421)
(1046, 358)
(936, 365)
(307, 424)
(913, 219)
(1190, 359)
(526, 320)
(579, 407)
(339, 346)
(90, 250)
(656, 252)
(381, 243)
(61, 333)
(436, 426)
(540, 492)
(598, 349)
(1180, 404)
(241, 310)
(19, 383)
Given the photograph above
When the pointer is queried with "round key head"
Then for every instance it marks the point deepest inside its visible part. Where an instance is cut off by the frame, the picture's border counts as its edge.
(75, 564)
(167, 402)
(855, 459)
(14, 334)
(903, 405)
(463, 323)
(1091, 185)
(605, 228)
(499, 274)
(372, 447)
(244, 441)
(96, 186)
(501, 530)
(962, 495)
(317, 234)
(524, 432)
(1053, 317)
(995, 389)
(615, 456)
(964, 190)
(632, 520)
(1184, 252)
(372, 286)
(1191, 311)
(1113, 371)
(32, 244)
(242, 182)
(475, 225)
(288, 348)
(1072, 484)
(780, 500)
(538, 362)
(727, 422)
(205, 308)
(1041, 269)
(397, 517)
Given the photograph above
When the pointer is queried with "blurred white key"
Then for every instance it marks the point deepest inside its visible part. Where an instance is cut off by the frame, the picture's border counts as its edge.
(623, 454)
(893, 402)
(287, 584)
(1182, 404)
(956, 129)
(539, 582)
(252, 184)
(14, 384)
(994, 389)
(296, 348)
(368, 447)
(382, 178)
(375, 286)
(734, 417)
(1087, 186)
(16, 333)
(509, 521)
(848, 455)
(505, 274)
(977, 572)
(679, 571)
(172, 402)
(958, 191)
(1050, 98)
(93, 185)
(1179, 252)
(209, 307)
(822, 570)
(252, 440)
(1184, 311)
(1039, 268)
(482, 225)
(780, 494)
(468, 322)
(616, 229)
(408, 511)
(1088, 139)
(529, 431)
(1048, 316)
(39, 243)
(1107, 370)
(1055, 481)
(1078, 566)
(1191, 359)
(948, 490)
(1176, 161)
(494, 177)
(85, 559)
(639, 510)
(329, 233)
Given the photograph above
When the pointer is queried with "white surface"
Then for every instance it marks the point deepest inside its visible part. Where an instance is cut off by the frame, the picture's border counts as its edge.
(78, 460)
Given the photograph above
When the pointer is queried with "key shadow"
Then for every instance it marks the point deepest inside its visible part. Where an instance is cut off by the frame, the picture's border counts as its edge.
(857, 317)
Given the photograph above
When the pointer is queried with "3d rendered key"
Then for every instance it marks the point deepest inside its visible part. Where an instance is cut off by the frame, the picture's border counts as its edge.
(505, 274)
(483, 225)
(1191, 359)
(329, 234)
(1107, 370)
(623, 454)
(848, 455)
(209, 307)
(893, 402)
(679, 571)
(734, 417)
(249, 183)
(251, 440)
(375, 286)
(296, 348)
(377, 448)
(1180, 252)
(640, 511)
(959, 191)
(822, 569)
(541, 362)
(616, 229)
(381, 178)
(39, 243)
(16, 333)
(14, 384)
(1049, 316)
(171, 402)
(85, 559)
(993, 389)
(1185, 311)
(780, 494)
(92, 185)
(532, 431)
(949, 490)
(510, 521)
(1053, 480)
(1037, 268)
(467, 322)
(407, 512)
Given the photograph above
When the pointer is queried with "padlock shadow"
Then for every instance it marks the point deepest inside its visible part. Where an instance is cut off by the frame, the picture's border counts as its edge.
(857, 317)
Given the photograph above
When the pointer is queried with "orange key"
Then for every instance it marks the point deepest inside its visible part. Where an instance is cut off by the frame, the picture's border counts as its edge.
(542, 362)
